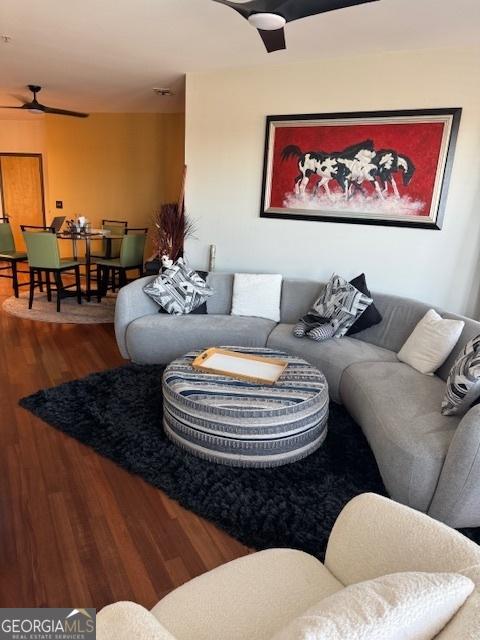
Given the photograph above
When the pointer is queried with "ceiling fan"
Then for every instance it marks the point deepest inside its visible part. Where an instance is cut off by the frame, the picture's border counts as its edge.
(270, 16)
(36, 107)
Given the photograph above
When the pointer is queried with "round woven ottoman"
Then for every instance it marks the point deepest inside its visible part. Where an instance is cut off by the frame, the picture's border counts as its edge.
(242, 423)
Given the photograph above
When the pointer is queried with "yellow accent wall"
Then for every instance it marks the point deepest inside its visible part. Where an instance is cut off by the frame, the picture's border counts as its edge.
(110, 165)
(120, 166)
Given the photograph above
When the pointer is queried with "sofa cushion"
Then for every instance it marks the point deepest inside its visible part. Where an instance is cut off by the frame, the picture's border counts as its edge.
(431, 342)
(342, 302)
(463, 384)
(257, 295)
(159, 339)
(297, 298)
(221, 301)
(178, 289)
(371, 316)
(332, 357)
(248, 599)
(398, 409)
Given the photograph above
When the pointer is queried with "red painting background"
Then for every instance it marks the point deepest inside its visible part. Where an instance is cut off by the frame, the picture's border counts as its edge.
(421, 142)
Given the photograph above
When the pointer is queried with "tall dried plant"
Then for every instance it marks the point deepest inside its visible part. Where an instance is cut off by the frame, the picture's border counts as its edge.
(171, 228)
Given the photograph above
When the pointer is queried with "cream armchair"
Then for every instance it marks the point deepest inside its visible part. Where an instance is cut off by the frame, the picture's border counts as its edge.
(256, 596)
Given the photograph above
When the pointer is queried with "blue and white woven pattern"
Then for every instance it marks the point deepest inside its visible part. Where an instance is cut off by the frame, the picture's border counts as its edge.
(241, 423)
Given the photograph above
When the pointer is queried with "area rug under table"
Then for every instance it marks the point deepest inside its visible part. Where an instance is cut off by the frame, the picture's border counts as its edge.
(71, 312)
(119, 414)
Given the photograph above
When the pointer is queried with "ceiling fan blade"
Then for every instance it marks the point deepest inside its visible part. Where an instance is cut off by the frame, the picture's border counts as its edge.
(273, 40)
(295, 9)
(64, 112)
(241, 7)
(5, 107)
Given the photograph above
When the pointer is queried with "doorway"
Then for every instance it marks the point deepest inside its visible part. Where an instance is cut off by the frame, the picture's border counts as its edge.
(22, 191)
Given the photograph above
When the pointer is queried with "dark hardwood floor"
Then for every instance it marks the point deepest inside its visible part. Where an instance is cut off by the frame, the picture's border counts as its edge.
(75, 529)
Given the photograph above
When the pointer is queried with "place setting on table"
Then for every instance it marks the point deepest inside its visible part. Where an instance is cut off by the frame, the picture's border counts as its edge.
(80, 230)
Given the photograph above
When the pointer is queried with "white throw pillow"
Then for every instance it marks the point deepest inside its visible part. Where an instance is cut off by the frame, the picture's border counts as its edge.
(258, 295)
(399, 606)
(431, 342)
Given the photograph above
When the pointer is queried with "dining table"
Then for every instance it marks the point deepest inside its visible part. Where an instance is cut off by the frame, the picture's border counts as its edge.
(86, 237)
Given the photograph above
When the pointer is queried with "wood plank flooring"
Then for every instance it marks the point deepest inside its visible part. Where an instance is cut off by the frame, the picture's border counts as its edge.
(75, 529)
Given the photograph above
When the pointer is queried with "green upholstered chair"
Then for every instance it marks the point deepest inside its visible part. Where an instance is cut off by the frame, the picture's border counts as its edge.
(10, 255)
(131, 257)
(44, 257)
(111, 248)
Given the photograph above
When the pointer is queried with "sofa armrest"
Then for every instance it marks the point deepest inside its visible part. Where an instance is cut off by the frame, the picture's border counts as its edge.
(129, 621)
(374, 536)
(132, 303)
(457, 498)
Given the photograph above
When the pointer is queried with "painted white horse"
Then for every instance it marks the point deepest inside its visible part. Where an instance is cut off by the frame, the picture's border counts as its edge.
(350, 169)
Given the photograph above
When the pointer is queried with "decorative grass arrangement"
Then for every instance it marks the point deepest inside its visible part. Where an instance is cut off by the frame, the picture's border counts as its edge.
(171, 227)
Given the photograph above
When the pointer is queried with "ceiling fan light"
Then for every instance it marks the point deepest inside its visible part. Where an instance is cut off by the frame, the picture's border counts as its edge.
(37, 112)
(267, 21)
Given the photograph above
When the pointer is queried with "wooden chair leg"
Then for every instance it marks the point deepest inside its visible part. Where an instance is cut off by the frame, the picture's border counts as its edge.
(77, 284)
(15, 278)
(140, 271)
(107, 274)
(99, 283)
(59, 285)
(49, 285)
(122, 278)
(114, 277)
(32, 286)
(40, 280)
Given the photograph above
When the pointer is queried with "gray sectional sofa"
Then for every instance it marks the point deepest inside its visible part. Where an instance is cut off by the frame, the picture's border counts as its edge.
(428, 461)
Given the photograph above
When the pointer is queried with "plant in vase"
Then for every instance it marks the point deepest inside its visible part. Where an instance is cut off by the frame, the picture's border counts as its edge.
(171, 227)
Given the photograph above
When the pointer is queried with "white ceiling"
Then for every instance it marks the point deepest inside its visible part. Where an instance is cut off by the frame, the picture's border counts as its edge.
(106, 55)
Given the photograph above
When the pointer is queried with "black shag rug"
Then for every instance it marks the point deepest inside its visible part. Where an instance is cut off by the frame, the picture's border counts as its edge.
(119, 414)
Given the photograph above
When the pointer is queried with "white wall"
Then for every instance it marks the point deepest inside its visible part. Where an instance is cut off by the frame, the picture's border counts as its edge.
(225, 125)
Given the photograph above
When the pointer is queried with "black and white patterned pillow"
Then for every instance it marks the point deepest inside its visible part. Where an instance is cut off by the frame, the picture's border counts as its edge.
(178, 289)
(463, 384)
(342, 302)
(323, 332)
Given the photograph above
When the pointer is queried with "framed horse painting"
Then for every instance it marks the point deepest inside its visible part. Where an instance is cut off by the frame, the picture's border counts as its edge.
(382, 167)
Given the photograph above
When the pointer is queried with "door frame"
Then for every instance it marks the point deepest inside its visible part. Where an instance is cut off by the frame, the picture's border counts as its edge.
(42, 181)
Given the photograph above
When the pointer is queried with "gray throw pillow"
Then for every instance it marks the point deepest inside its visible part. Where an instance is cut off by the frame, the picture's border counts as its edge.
(341, 302)
(463, 384)
(178, 289)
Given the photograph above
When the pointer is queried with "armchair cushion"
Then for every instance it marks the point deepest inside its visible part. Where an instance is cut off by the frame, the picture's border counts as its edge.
(400, 606)
(250, 598)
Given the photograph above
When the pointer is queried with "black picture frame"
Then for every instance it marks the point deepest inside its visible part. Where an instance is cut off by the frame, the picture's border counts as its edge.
(450, 116)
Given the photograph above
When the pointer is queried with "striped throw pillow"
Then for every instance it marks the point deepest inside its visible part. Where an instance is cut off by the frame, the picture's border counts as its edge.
(463, 384)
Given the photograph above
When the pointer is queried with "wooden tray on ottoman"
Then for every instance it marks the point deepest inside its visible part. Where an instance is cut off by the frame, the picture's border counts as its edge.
(241, 366)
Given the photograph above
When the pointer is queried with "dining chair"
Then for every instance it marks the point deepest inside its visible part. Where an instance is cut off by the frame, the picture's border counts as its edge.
(44, 257)
(131, 257)
(111, 248)
(9, 254)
